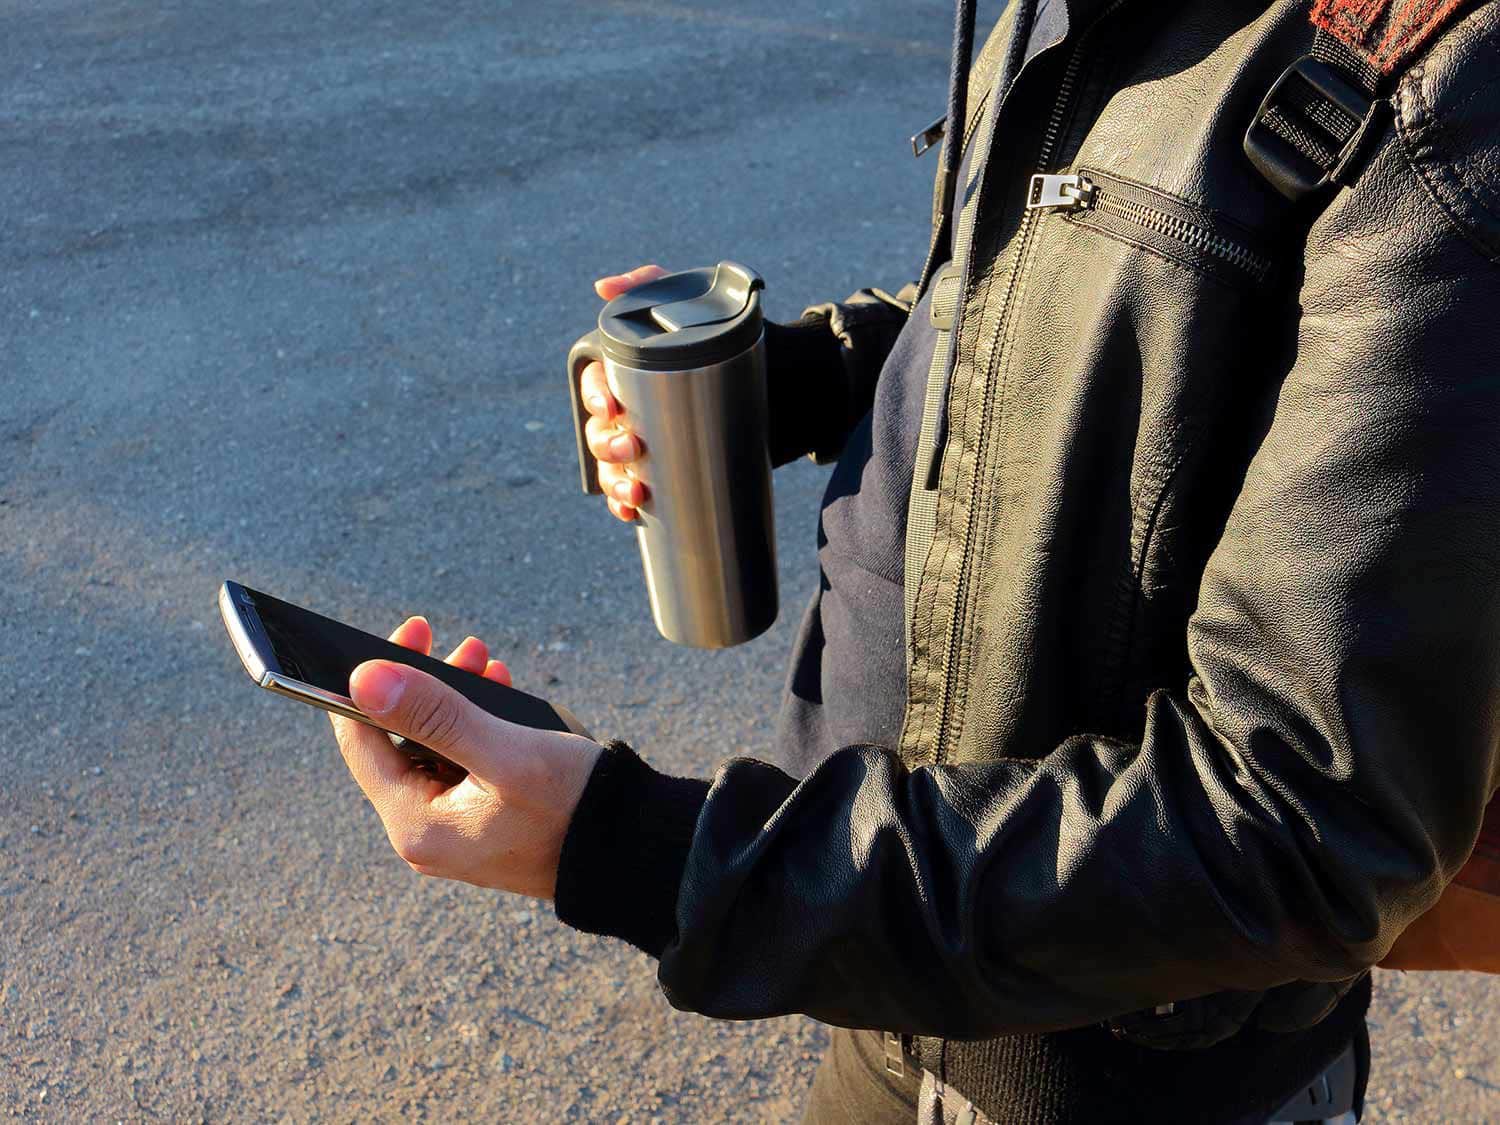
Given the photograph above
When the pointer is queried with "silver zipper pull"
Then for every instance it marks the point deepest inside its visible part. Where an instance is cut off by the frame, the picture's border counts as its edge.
(921, 142)
(1059, 193)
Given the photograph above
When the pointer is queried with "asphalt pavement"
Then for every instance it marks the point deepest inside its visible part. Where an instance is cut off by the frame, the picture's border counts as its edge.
(285, 290)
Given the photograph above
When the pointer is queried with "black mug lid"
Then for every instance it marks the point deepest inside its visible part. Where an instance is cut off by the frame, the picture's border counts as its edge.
(695, 318)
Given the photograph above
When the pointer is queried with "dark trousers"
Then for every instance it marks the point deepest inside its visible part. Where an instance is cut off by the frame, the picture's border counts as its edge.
(852, 1087)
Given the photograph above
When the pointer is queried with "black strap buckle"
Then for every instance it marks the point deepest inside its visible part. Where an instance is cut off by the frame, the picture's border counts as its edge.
(1307, 128)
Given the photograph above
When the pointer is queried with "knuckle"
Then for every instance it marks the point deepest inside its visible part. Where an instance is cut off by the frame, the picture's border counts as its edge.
(531, 775)
(598, 438)
(413, 846)
(436, 719)
(593, 391)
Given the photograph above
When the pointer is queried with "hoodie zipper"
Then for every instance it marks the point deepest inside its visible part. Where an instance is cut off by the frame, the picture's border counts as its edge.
(1163, 222)
(951, 671)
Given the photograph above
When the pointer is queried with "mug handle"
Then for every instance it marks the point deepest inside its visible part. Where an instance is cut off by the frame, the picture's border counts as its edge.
(585, 351)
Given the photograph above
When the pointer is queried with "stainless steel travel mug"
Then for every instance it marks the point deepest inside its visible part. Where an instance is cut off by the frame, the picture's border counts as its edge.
(685, 357)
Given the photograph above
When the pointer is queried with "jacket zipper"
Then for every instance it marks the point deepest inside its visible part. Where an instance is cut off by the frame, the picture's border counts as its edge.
(1119, 203)
(1023, 238)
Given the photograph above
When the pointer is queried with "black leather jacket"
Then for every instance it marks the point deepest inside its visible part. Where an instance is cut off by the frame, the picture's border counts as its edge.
(1204, 692)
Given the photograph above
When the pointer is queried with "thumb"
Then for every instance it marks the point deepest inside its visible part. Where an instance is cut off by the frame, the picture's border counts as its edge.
(422, 708)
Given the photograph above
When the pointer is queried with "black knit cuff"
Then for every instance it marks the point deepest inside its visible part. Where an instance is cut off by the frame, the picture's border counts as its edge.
(804, 386)
(626, 847)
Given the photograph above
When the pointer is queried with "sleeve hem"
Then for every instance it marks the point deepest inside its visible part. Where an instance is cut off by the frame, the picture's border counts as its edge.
(625, 850)
(804, 378)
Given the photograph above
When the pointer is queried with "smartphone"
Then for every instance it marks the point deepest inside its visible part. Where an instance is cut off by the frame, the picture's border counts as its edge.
(306, 656)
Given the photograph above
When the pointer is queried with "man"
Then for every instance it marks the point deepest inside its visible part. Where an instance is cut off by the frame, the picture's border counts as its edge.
(1152, 684)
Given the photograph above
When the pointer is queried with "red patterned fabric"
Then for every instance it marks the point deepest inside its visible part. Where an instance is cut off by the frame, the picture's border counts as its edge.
(1384, 32)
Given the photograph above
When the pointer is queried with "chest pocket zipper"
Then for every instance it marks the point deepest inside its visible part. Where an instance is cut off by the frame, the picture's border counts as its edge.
(1152, 219)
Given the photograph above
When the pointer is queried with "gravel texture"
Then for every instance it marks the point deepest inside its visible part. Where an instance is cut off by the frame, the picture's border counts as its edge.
(285, 291)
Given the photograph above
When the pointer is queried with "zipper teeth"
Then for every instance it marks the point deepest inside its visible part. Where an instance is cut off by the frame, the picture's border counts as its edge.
(1173, 226)
(1064, 96)
(1029, 221)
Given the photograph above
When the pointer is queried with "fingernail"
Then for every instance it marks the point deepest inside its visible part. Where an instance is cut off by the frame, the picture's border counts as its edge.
(622, 446)
(597, 405)
(377, 688)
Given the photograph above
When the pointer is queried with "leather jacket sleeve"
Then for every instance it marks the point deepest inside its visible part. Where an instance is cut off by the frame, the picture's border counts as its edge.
(1307, 792)
(821, 371)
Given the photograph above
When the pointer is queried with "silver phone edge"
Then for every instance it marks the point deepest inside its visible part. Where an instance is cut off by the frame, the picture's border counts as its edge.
(307, 693)
(343, 705)
(234, 625)
(281, 684)
(339, 704)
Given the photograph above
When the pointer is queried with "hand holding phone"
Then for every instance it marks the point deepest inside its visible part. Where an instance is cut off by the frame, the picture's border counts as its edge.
(305, 656)
(515, 767)
(502, 823)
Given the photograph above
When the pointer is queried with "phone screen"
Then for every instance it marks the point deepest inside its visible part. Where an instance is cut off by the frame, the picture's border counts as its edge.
(321, 652)
(315, 649)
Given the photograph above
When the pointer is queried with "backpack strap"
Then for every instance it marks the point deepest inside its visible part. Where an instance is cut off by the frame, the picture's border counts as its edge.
(946, 285)
(1313, 121)
(978, 83)
(1382, 33)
